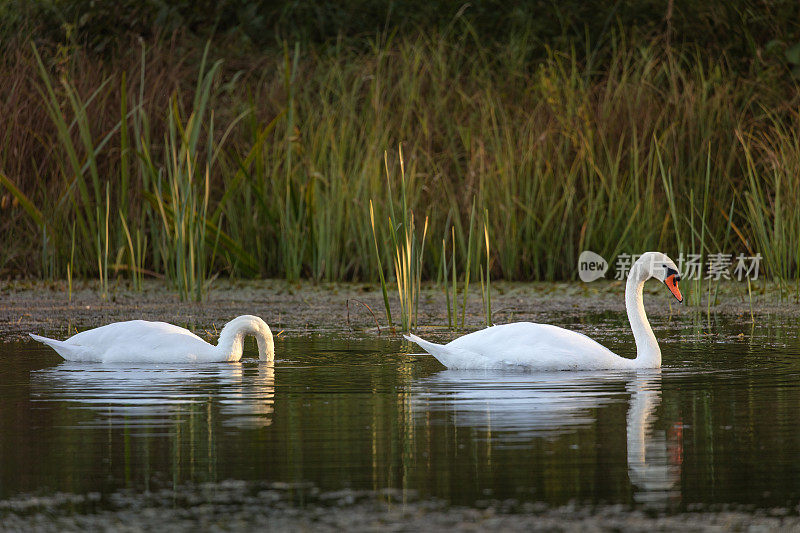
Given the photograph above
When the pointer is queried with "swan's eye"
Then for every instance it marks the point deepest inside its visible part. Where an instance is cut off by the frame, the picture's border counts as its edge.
(672, 272)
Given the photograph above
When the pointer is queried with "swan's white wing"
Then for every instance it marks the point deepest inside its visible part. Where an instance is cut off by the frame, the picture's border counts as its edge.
(140, 340)
(132, 331)
(539, 347)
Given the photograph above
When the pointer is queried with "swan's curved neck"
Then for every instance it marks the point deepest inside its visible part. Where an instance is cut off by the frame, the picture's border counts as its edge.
(648, 354)
(231, 338)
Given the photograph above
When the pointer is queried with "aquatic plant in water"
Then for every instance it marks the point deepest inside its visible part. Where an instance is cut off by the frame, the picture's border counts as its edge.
(407, 251)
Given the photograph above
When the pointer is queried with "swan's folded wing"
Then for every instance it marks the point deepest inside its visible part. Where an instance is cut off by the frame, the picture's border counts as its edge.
(136, 333)
(536, 347)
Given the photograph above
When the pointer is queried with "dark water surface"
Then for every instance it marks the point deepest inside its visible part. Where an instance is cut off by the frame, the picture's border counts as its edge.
(720, 423)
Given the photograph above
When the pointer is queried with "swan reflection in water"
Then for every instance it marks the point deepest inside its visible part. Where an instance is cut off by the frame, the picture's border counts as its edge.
(152, 395)
(649, 466)
(515, 407)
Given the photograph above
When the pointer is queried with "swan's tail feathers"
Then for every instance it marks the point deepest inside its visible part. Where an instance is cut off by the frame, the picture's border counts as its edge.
(430, 347)
(70, 352)
(452, 358)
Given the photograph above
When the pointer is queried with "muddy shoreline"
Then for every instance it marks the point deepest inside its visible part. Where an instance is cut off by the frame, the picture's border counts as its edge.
(45, 307)
(247, 506)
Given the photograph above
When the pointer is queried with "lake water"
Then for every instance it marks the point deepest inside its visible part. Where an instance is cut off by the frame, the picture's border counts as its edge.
(720, 423)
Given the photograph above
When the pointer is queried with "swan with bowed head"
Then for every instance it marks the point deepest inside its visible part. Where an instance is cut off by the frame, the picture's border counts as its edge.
(528, 346)
(140, 341)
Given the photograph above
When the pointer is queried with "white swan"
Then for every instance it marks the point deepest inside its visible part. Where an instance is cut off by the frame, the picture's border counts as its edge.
(141, 341)
(527, 346)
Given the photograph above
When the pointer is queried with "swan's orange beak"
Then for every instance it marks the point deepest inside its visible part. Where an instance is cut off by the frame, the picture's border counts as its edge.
(672, 285)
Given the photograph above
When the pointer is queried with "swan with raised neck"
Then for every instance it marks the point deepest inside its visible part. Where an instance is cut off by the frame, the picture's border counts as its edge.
(528, 346)
(649, 265)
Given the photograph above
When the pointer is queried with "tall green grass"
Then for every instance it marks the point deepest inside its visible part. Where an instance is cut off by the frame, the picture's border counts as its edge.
(485, 274)
(85, 190)
(276, 167)
(450, 278)
(407, 249)
(772, 197)
(180, 191)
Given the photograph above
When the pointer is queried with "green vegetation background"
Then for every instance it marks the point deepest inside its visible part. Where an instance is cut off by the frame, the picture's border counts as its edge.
(190, 139)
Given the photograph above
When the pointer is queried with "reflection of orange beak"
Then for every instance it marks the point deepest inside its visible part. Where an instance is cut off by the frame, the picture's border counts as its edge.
(673, 287)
